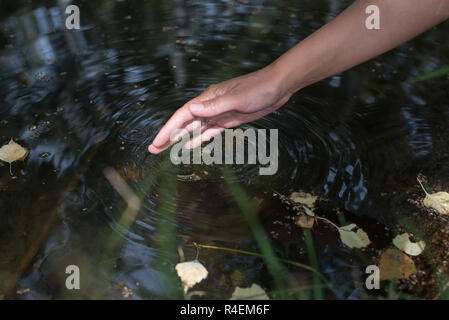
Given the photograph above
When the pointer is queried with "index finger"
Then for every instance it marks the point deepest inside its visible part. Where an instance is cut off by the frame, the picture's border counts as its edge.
(177, 121)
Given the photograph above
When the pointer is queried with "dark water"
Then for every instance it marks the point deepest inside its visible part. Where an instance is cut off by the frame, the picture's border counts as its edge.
(85, 100)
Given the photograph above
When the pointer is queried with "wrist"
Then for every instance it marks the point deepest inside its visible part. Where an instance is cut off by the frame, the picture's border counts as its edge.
(287, 78)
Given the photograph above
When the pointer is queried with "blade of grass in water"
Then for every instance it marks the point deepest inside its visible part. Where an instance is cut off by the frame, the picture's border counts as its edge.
(294, 263)
(276, 269)
(317, 286)
(166, 230)
(430, 75)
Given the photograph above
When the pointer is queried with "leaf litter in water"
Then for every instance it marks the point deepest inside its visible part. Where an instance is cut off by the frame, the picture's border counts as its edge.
(351, 238)
(395, 265)
(255, 292)
(191, 273)
(438, 201)
(305, 221)
(358, 239)
(306, 199)
(402, 242)
(13, 152)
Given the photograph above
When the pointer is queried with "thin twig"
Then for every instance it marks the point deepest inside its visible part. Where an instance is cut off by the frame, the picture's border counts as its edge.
(294, 263)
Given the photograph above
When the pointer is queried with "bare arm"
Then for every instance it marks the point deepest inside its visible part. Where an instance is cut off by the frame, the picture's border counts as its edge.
(337, 46)
(346, 42)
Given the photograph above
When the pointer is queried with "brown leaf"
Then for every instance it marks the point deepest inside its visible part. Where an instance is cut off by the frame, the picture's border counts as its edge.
(305, 221)
(395, 265)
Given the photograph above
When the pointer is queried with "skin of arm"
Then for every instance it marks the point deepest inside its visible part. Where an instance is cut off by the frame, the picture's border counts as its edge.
(339, 45)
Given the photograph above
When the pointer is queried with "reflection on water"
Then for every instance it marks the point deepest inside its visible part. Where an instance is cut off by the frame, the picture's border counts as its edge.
(85, 100)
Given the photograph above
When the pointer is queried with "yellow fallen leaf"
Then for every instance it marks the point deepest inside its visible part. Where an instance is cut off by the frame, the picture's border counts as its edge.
(255, 292)
(191, 273)
(304, 198)
(12, 152)
(353, 239)
(402, 242)
(395, 265)
(438, 201)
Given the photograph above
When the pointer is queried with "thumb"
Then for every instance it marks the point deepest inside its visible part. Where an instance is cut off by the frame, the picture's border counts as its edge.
(212, 107)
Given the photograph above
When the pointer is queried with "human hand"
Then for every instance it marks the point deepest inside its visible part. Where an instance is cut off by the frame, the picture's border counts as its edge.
(225, 105)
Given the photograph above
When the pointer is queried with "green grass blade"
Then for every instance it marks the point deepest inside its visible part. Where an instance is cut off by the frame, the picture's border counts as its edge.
(276, 269)
(434, 74)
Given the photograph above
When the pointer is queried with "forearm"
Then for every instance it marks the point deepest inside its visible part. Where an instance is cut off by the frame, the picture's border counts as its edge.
(346, 42)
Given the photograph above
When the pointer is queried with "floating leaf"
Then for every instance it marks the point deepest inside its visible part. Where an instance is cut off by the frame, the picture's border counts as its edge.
(403, 243)
(191, 273)
(304, 198)
(395, 265)
(255, 292)
(438, 201)
(12, 152)
(305, 221)
(309, 212)
(353, 239)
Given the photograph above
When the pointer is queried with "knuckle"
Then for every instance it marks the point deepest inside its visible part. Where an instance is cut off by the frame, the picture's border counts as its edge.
(210, 104)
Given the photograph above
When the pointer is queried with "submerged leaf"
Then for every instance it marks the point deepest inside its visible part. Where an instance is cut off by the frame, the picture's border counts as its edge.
(191, 273)
(395, 265)
(305, 221)
(353, 239)
(255, 292)
(12, 152)
(403, 243)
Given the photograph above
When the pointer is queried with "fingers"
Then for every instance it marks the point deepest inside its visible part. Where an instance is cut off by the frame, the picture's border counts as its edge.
(177, 121)
(176, 135)
(208, 134)
(206, 105)
(213, 107)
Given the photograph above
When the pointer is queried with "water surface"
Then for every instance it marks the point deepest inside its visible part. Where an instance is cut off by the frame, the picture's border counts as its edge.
(91, 99)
